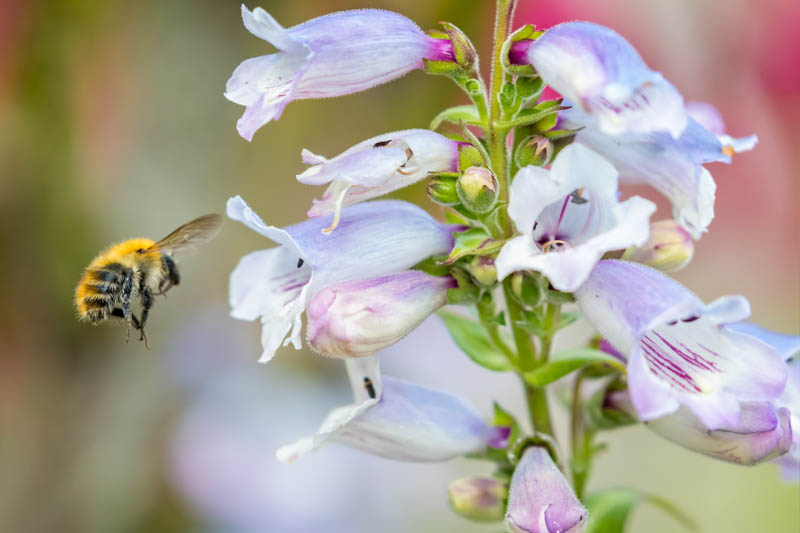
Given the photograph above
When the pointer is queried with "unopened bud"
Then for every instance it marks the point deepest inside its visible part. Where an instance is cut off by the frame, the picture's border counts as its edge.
(442, 190)
(535, 150)
(479, 498)
(527, 288)
(477, 189)
(483, 270)
(669, 248)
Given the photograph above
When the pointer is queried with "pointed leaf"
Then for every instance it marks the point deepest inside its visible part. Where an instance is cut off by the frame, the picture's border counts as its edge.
(473, 340)
(474, 241)
(564, 362)
(461, 113)
(609, 509)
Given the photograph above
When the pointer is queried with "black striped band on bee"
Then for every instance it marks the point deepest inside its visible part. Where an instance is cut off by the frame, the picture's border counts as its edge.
(130, 274)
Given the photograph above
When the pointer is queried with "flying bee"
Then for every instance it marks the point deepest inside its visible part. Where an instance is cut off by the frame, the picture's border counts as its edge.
(133, 272)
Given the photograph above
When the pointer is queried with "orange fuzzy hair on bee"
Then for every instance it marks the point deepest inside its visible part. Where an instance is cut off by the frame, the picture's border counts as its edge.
(137, 255)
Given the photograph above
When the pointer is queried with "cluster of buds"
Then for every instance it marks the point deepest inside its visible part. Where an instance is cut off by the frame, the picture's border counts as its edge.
(535, 218)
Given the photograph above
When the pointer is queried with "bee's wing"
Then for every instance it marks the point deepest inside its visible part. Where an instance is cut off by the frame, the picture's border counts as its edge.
(188, 237)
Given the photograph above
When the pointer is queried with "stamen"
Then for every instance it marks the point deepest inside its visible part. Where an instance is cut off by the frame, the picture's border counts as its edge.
(337, 213)
(409, 155)
(577, 196)
(553, 245)
(381, 144)
(728, 150)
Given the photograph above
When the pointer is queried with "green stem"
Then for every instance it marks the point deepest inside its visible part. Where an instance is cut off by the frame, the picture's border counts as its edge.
(486, 311)
(551, 320)
(580, 440)
(497, 136)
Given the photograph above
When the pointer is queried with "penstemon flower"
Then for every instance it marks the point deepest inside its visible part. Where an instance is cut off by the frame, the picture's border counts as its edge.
(541, 499)
(569, 217)
(376, 167)
(599, 71)
(333, 55)
(678, 352)
(398, 420)
(360, 317)
(535, 220)
(373, 239)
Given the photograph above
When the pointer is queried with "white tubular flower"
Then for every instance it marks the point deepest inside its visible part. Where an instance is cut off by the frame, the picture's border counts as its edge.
(569, 216)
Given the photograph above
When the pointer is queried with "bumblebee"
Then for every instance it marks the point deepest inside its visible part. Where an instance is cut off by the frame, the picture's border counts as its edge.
(131, 274)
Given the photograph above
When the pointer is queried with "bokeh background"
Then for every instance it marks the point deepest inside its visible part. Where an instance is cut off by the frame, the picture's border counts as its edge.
(113, 125)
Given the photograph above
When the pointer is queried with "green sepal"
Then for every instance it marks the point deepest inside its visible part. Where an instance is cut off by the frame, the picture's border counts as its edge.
(517, 448)
(466, 114)
(457, 219)
(543, 118)
(525, 32)
(530, 88)
(497, 219)
(610, 509)
(433, 266)
(469, 156)
(599, 416)
(446, 68)
(463, 49)
(568, 318)
(471, 337)
(508, 98)
(527, 288)
(535, 150)
(466, 292)
(474, 241)
(442, 189)
(566, 362)
(561, 135)
(478, 145)
(559, 298)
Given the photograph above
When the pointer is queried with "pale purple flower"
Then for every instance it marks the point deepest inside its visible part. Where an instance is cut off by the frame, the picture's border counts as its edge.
(763, 432)
(336, 54)
(374, 239)
(569, 216)
(790, 400)
(360, 317)
(376, 167)
(679, 352)
(398, 420)
(598, 70)
(710, 118)
(541, 500)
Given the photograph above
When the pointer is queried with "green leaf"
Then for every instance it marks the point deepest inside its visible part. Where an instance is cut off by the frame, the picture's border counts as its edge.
(566, 361)
(533, 116)
(609, 509)
(474, 241)
(473, 340)
(467, 114)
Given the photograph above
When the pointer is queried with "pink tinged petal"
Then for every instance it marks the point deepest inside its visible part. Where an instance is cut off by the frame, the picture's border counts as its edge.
(543, 210)
(787, 345)
(679, 352)
(541, 500)
(790, 398)
(357, 318)
(378, 238)
(595, 67)
(404, 422)
(378, 166)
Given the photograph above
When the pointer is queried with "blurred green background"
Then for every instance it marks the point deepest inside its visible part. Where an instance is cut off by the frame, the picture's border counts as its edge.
(114, 126)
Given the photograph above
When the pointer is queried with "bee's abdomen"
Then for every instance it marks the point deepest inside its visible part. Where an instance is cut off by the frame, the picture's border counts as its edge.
(98, 291)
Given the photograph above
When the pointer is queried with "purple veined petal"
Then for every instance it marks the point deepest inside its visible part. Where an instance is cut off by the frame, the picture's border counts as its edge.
(377, 166)
(541, 500)
(710, 118)
(403, 422)
(790, 401)
(336, 54)
(679, 352)
(358, 318)
(569, 217)
(374, 239)
(599, 70)
(671, 166)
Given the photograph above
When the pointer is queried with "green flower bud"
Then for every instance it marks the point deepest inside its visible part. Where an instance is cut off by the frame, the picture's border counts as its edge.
(477, 189)
(483, 270)
(442, 190)
(669, 248)
(479, 498)
(535, 150)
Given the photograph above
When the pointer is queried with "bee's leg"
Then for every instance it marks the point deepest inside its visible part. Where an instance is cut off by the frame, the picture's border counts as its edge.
(147, 303)
(125, 301)
(172, 279)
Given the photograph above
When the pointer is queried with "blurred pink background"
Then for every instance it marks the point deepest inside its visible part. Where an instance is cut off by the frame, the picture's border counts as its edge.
(114, 126)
